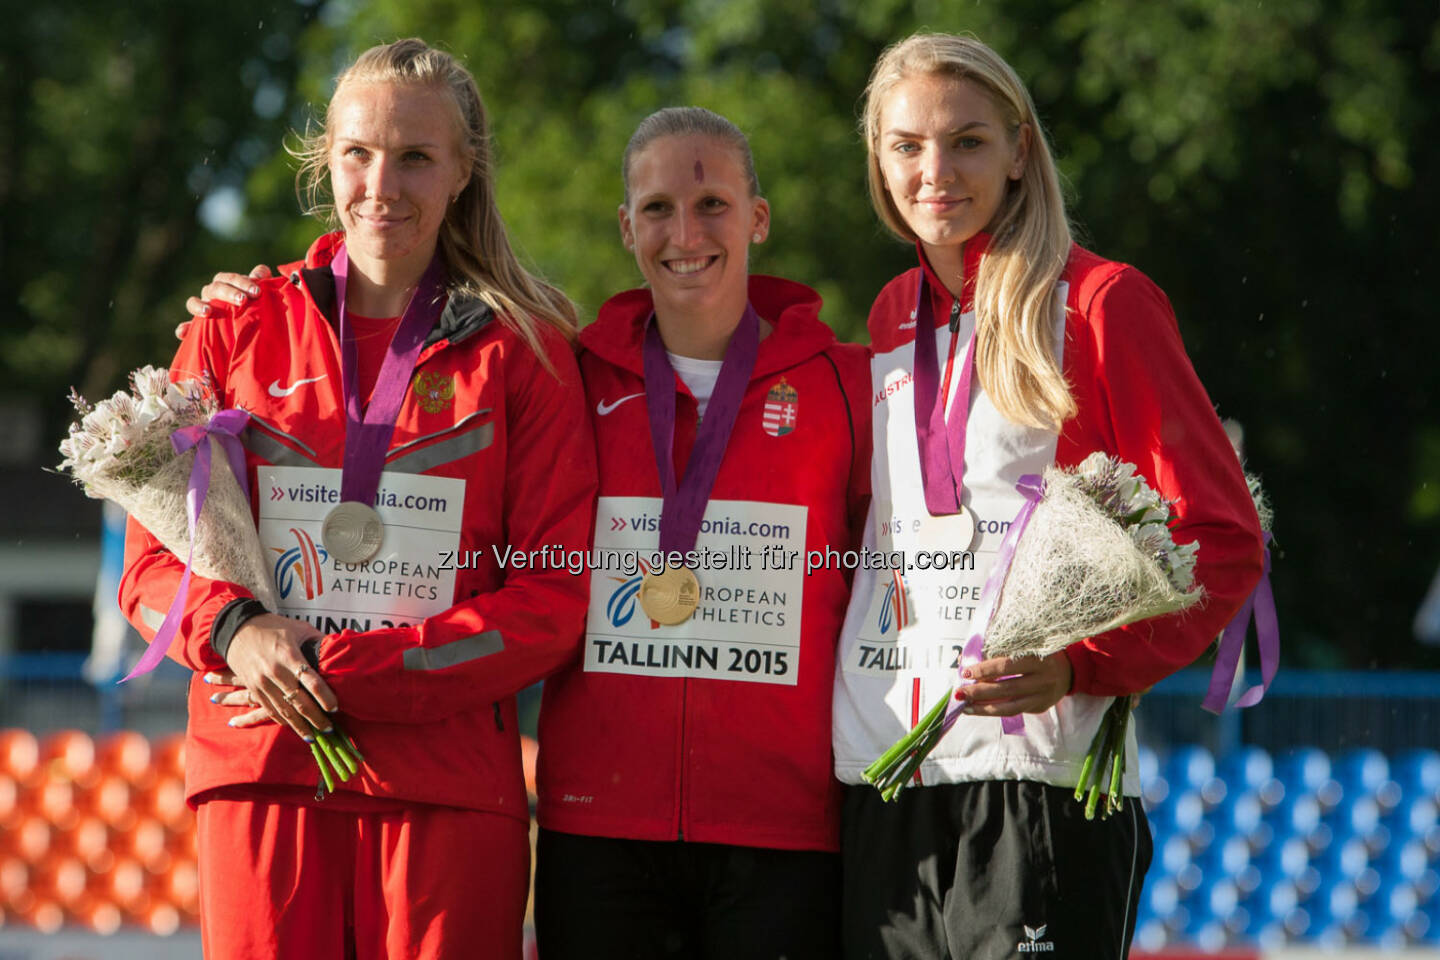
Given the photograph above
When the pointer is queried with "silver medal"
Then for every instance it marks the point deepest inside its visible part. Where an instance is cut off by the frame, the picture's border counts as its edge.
(352, 532)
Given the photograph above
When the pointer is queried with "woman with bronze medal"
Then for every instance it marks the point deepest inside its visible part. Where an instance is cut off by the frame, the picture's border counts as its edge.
(413, 396)
(1010, 349)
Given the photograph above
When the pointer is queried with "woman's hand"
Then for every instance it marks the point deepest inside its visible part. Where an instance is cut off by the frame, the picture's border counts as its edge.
(1005, 686)
(266, 659)
(233, 288)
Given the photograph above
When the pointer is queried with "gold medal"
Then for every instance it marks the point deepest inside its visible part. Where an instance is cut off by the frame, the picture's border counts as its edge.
(352, 532)
(670, 596)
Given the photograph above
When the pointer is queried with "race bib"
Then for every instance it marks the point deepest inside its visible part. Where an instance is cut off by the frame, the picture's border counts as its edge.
(749, 559)
(401, 585)
(921, 612)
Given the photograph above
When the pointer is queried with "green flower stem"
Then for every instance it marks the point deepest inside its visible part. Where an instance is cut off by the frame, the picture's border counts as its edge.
(1097, 743)
(350, 743)
(329, 750)
(324, 770)
(887, 762)
(337, 744)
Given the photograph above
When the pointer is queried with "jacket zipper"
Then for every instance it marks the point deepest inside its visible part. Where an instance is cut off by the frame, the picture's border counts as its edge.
(684, 708)
(950, 359)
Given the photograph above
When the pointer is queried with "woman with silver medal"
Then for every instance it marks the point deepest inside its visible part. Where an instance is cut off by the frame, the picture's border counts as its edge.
(414, 399)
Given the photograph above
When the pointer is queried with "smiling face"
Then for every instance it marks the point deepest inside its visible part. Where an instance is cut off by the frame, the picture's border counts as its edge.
(395, 164)
(690, 220)
(947, 158)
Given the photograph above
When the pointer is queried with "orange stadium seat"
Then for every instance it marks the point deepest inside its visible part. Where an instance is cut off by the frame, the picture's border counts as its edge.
(70, 755)
(19, 754)
(113, 801)
(126, 754)
(168, 755)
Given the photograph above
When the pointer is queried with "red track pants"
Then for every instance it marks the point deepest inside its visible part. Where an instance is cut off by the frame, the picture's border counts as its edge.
(283, 881)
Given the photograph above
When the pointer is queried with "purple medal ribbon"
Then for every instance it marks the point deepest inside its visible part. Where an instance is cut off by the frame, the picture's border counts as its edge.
(941, 443)
(225, 427)
(683, 505)
(367, 436)
(1032, 488)
(1260, 604)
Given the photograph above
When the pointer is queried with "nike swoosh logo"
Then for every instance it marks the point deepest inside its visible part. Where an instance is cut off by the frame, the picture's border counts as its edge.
(278, 391)
(605, 409)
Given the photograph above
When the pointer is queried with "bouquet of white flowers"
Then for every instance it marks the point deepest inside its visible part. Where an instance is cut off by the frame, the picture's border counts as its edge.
(150, 451)
(1090, 551)
(122, 450)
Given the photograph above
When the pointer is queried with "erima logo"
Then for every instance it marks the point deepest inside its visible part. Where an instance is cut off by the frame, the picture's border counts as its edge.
(1034, 944)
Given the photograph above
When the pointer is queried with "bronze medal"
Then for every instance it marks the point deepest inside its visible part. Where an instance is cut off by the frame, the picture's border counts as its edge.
(670, 596)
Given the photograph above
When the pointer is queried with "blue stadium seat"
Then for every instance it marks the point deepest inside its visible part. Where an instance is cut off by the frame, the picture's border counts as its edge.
(1289, 859)
(1189, 766)
(1410, 862)
(1248, 768)
(1301, 815)
(1303, 769)
(1419, 818)
(1361, 770)
(1243, 815)
(1418, 773)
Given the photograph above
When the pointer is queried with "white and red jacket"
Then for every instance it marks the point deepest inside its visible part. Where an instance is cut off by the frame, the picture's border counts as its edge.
(645, 739)
(1138, 399)
(430, 703)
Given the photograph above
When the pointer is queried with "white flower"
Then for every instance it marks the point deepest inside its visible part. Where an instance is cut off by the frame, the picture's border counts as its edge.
(152, 408)
(124, 406)
(150, 381)
(1094, 465)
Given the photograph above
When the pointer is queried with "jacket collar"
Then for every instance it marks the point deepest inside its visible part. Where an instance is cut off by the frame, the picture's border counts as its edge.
(461, 318)
(792, 309)
(975, 249)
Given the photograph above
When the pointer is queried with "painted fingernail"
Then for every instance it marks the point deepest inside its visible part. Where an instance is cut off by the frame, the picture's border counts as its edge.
(208, 678)
(308, 739)
(330, 729)
(231, 723)
(966, 673)
(960, 694)
(215, 697)
(253, 290)
(205, 311)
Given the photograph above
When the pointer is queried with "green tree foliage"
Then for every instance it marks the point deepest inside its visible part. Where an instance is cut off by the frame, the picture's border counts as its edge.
(115, 121)
(1260, 160)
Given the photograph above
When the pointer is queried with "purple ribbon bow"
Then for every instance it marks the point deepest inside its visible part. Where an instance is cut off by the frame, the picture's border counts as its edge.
(225, 427)
(1261, 605)
(1032, 488)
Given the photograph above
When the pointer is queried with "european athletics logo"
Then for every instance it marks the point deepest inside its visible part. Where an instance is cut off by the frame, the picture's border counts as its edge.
(620, 608)
(302, 562)
(893, 607)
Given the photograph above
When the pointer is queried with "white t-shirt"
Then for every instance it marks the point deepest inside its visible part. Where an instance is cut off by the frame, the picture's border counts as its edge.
(698, 375)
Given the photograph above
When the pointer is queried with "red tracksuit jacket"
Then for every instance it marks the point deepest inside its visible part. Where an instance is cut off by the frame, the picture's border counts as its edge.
(430, 703)
(628, 752)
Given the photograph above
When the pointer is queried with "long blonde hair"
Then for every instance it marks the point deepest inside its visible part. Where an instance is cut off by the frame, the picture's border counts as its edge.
(473, 242)
(1015, 352)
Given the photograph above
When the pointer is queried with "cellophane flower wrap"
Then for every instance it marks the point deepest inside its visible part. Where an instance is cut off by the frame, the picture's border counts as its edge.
(120, 450)
(1096, 554)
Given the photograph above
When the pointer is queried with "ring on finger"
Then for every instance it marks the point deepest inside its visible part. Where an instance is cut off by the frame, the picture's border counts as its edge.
(303, 670)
